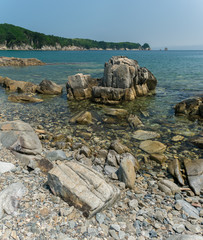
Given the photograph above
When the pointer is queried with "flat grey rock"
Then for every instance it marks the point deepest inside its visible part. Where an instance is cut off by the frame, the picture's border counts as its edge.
(6, 167)
(188, 208)
(82, 186)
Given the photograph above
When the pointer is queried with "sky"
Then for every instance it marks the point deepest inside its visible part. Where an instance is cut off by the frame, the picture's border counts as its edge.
(176, 24)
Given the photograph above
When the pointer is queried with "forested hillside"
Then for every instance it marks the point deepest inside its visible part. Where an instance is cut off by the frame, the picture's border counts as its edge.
(11, 35)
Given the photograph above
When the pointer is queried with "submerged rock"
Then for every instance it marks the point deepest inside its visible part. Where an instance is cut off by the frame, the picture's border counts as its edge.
(21, 62)
(145, 135)
(151, 147)
(24, 99)
(82, 118)
(83, 187)
(134, 121)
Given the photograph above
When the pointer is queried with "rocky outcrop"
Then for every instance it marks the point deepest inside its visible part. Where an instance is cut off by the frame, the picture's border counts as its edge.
(18, 86)
(21, 62)
(123, 80)
(79, 86)
(45, 87)
(192, 107)
(83, 187)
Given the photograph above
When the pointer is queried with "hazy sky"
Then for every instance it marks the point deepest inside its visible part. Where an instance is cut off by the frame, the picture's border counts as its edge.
(176, 24)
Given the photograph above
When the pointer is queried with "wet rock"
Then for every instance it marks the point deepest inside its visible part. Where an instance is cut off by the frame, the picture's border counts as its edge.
(190, 107)
(6, 167)
(151, 147)
(82, 118)
(168, 187)
(177, 138)
(24, 99)
(116, 112)
(21, 62)
(188, 208)
(119, 147)
(134, 121)
(174, 169)
(198, 141)
(18, 86)
(50, 88)
(145, 135)
(127, 170)
(9, 198)
(194, 169)
(82, 187)
(159, 158)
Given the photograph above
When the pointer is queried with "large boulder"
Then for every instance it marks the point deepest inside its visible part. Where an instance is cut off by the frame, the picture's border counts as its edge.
(50, 88)
(123, 79)
(79, 86)
(82, 186)
(191, 107)
(20, 138)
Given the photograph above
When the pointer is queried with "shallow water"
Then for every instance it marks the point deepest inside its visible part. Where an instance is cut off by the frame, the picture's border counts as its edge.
(179, 74)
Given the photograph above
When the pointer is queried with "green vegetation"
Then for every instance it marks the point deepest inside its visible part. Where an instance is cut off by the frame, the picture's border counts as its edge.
(16, 36)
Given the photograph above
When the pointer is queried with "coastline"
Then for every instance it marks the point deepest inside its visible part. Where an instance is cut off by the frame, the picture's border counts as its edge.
(59, 48)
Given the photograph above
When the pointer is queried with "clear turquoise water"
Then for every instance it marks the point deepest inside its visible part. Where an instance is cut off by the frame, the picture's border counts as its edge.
(179, 74)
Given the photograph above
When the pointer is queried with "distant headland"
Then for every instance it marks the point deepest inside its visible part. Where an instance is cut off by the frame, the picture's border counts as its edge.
(17, 38)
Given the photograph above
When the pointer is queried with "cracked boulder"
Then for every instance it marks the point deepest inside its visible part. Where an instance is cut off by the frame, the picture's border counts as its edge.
(82, 187)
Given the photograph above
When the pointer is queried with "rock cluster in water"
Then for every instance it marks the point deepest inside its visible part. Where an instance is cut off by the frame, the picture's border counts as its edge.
(27, 89)
(123, 79)
(21, 62)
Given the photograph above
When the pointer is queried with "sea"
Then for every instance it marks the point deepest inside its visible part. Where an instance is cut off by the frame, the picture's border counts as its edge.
(179, 75)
